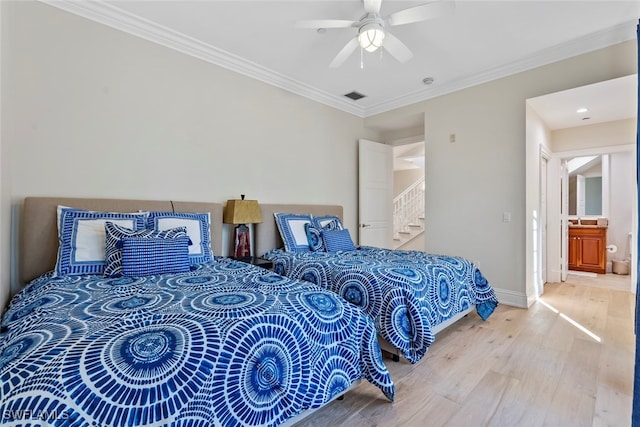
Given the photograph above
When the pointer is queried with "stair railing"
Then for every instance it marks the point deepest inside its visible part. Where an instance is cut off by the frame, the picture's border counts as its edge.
(408, 207)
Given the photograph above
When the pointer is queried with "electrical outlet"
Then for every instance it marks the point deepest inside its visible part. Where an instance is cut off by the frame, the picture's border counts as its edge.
(506, 216)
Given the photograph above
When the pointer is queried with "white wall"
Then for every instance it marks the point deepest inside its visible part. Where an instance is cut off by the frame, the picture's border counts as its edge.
(402, 179)
(89, 111)
(622, 183)
(473, 181)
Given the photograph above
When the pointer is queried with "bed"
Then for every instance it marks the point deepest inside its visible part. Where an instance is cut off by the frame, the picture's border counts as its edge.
(221, 343)
(411, 295)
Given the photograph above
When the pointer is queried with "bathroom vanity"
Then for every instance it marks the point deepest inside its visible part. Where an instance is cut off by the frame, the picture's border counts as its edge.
(588, 248)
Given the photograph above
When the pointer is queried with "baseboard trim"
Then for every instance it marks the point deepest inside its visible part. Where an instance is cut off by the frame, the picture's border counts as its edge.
(515, 299)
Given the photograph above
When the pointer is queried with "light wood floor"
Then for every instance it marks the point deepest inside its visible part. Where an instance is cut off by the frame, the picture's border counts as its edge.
(566, 361)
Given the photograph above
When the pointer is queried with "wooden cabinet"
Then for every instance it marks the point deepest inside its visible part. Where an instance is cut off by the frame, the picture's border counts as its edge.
(588, 249)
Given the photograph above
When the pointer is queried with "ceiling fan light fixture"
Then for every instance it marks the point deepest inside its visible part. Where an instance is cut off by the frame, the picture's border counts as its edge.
(371, 36)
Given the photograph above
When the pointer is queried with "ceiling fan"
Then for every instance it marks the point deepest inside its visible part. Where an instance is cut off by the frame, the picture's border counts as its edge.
(372, 34)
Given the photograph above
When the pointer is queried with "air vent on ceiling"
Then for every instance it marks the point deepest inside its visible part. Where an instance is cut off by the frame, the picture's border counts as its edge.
(354, 95)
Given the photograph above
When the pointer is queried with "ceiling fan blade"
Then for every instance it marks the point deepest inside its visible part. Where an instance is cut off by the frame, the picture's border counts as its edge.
(346, 51)
(396, 48)
(325, 23)
(372, 6)
(423, 12)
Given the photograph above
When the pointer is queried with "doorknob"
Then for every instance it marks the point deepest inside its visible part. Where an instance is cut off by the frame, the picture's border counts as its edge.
(365, 225)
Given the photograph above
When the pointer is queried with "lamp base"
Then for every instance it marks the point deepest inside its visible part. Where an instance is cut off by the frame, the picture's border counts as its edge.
(242, 239)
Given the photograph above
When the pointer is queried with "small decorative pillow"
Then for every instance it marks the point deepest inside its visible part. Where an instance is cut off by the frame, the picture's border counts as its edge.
(198, 228)
(338, 240)
(291, 227)
(328, 222)
(314, 234)
(314, 237)
(81, 238)
(116, 235)
(146, 256)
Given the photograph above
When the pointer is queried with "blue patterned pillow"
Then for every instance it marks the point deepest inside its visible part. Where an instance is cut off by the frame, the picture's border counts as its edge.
(81, 238)
(146, 256)
(198, 227)
(314, 234)
(314, 237)
(328, 222)
(115, 236)
(291, 227)
(338, 240)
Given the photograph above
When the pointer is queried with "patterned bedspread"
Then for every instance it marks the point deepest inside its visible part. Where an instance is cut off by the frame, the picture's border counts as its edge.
(405, 292)
(228, 344)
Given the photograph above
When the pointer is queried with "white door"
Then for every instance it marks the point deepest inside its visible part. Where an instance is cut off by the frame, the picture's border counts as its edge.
(564, 223)
(375, 194)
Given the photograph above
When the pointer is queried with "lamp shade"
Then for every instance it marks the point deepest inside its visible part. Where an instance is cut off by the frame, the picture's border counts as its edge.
(242, 212)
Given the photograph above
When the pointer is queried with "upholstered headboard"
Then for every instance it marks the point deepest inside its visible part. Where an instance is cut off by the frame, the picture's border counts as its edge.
(39, 231)
(267, 236)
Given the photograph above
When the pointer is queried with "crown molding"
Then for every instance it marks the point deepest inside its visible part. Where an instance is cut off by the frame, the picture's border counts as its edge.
(594, 41)
(114, 17)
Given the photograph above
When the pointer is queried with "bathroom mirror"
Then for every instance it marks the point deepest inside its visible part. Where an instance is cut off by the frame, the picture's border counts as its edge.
(585, 186)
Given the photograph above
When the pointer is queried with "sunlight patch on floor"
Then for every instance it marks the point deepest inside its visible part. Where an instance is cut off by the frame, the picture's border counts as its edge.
(571, 321)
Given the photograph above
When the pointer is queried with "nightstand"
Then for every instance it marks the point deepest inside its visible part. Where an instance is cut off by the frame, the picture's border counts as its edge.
(260, 262)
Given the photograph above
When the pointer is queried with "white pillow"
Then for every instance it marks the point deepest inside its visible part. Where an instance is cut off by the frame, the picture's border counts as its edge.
(198, 227)
(82, 237)
(291, 227)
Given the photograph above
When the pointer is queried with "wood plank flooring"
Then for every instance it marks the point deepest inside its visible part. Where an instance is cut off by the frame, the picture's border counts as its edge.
(566, 361)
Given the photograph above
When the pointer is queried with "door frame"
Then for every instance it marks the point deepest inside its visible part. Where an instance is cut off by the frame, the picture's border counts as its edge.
(556, 238)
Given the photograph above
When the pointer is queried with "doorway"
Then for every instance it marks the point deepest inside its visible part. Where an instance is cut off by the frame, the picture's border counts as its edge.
(587, 134)
(405, 136)
(409, 194)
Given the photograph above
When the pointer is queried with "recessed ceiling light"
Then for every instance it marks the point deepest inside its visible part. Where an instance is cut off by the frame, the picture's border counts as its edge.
(581, 110)
(428, 80)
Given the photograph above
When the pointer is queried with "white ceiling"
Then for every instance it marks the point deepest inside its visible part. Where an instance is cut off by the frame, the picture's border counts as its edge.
(478, 42)
(605, 101)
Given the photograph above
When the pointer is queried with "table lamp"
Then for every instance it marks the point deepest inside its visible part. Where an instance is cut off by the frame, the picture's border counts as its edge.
(242, 212)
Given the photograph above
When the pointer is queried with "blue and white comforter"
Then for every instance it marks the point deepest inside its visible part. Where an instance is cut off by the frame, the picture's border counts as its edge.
(405, 292)
(228, 344)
